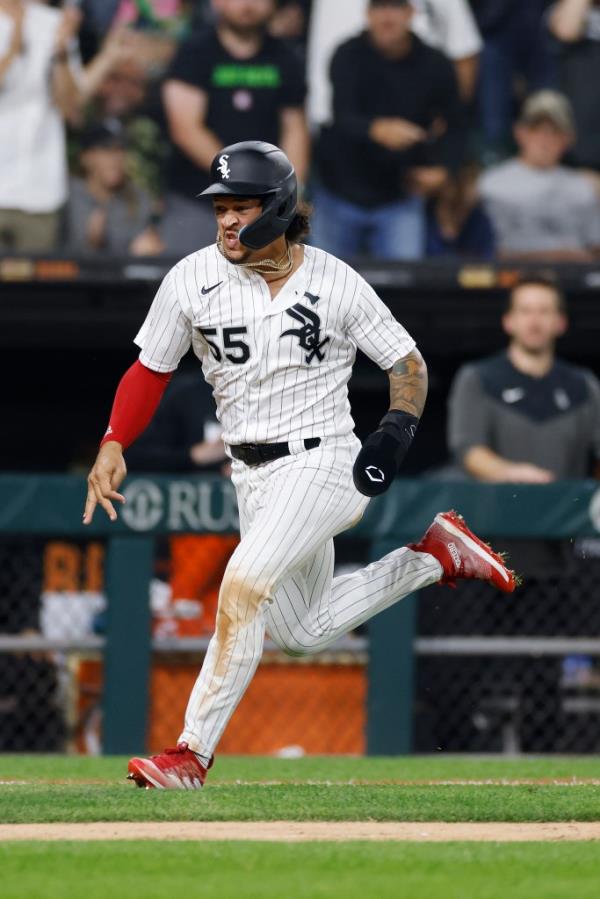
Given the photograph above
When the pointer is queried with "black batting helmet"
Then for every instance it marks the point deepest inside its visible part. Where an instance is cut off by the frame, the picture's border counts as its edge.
(254, 168)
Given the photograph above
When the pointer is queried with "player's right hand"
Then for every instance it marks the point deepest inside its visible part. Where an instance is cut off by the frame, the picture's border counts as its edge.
(104, 480)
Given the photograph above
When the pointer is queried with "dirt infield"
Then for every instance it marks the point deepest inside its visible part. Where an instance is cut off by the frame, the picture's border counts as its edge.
(297, 832)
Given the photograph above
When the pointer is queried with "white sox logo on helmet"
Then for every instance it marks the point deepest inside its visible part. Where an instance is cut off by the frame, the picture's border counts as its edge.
(223, 167)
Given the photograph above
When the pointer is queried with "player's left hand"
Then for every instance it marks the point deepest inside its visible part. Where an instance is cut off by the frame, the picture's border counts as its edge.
(379, 460)
(104, 480)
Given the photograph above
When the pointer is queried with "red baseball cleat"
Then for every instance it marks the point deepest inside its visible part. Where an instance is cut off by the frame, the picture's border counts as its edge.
(463, 555)
(173, 769)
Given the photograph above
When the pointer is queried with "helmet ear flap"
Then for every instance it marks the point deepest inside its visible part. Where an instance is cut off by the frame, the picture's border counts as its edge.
(277, 214)
(260, 232)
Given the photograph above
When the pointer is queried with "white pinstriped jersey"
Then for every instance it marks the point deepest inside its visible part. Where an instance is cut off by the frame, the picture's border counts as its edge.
(279, 368)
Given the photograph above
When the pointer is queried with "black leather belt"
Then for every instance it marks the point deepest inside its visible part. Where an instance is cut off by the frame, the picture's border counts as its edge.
(257, 453)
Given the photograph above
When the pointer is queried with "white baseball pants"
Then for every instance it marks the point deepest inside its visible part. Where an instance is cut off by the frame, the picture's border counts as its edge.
(280, 577)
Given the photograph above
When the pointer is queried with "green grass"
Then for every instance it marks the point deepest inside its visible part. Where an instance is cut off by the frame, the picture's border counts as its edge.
(301, 803)
(88, 789)
(97, 791)
(305, 871)
(229, 769)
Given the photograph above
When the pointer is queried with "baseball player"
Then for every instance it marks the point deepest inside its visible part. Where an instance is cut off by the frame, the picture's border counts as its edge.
(276, 325)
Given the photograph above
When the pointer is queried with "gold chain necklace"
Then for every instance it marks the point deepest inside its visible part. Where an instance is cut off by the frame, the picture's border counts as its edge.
(282, 266)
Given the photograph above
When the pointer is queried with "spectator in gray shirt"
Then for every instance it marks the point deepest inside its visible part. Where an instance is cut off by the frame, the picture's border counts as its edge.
(107, 213)
(524, 415)
(540, 209)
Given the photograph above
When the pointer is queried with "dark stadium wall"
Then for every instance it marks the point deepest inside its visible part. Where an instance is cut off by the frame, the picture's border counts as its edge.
(65, 346)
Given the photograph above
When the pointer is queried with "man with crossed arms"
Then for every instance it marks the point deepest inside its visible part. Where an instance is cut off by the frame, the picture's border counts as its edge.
(276, 325)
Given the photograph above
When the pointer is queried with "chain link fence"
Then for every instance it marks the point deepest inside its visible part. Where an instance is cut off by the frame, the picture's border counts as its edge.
(52, 626)
(51, 619)
(493, 673)
(518, 673)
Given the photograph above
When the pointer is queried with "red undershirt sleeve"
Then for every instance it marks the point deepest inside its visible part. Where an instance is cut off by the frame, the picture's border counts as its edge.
(136, 400)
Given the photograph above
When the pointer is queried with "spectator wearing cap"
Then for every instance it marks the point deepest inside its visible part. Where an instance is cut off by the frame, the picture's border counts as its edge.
(447, 25)
(396, 132)
(38, 91)
(229, 83)
(107, 213)
(540, 209)
(576, 24)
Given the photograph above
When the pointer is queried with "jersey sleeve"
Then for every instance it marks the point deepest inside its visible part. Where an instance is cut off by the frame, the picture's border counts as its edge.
(166, 334)
(375, 331)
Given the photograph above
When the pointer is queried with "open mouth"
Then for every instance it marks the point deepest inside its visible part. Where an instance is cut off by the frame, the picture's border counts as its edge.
(232, 241)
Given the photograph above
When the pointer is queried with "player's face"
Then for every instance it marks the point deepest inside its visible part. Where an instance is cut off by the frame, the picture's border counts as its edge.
(232, 214)
(389, 26)
(245, 15)
(543, 145)
(534, 320)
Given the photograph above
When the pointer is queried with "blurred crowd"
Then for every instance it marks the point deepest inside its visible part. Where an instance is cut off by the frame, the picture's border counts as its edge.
(418, 128)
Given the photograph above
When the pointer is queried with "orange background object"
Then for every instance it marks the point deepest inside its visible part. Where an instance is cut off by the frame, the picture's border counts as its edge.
(320, 708)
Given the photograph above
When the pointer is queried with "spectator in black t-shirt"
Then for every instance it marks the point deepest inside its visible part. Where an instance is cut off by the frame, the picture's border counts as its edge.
(395, 133)
(228, 84)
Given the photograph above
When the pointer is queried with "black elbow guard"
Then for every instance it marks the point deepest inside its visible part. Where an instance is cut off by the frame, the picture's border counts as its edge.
(382, 453)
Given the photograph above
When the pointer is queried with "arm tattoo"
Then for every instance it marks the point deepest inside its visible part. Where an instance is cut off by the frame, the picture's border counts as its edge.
(408, 384)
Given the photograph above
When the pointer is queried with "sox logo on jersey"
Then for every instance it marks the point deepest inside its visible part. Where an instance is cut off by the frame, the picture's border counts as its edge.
(309, 335)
